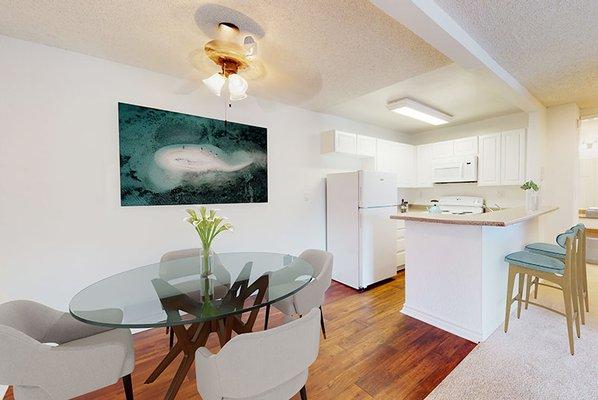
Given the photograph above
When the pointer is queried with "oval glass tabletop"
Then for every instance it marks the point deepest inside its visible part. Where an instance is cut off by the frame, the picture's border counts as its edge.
(173, 293)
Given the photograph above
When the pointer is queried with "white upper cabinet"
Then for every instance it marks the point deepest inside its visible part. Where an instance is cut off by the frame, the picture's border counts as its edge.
(502, 158)
(348, 143)
(512, 159)
(339, 142)
(425, 165)
(366, 146)
(407, 165)
(345, 142)
(387, 159)
(398, 158)
(443, 149)
(489, 160)
(465, 147)
(460, 147)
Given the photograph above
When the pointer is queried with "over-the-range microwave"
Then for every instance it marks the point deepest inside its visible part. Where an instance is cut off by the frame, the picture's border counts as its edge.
(456, 169)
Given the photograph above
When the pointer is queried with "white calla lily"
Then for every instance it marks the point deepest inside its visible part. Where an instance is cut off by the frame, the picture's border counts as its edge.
(208, 225)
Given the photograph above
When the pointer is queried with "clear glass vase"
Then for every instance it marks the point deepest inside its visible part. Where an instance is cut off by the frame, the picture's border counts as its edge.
(206, 288)
(532, 200)
(206, 263)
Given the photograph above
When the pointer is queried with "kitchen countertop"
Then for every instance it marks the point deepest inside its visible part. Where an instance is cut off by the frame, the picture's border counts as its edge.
(504, 217)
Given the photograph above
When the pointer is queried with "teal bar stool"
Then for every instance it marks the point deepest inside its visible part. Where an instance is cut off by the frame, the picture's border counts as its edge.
(558, 251)
(561, 273)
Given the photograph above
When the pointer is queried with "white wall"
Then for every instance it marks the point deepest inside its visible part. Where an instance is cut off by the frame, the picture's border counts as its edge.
(61, 224)
(536, 145)
(505, 196)
(560, 185)
(588, 182)
(588, 163)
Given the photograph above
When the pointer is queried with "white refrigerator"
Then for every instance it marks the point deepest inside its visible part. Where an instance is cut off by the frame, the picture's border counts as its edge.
(359, 232)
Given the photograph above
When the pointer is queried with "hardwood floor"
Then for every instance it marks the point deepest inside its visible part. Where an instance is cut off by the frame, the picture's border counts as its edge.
(372, 351)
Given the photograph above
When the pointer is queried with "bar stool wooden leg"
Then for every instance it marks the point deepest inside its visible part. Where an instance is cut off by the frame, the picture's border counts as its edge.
(536, 288)
(529, 283)
(580, 297)
(575, 298)
(509, 298)
(569, 315)
(583, 269)
(585, 287)
(520, 293)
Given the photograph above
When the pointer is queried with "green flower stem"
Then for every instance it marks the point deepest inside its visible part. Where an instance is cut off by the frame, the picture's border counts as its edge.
(206, 261)
(206, 291)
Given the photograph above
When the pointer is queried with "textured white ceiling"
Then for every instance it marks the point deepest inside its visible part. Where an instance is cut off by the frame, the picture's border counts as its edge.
(549, 46)
(316, 53)
(450, 89)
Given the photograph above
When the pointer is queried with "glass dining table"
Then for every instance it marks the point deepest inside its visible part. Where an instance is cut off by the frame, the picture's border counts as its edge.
(173, 294)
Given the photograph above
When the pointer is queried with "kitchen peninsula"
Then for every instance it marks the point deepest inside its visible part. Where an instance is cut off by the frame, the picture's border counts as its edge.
(456, 277)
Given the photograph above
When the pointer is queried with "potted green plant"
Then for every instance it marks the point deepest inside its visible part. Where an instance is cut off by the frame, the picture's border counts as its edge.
(208, 225)
(532, 198)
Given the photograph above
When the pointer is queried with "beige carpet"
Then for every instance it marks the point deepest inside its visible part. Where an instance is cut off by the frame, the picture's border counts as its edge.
(532, 360)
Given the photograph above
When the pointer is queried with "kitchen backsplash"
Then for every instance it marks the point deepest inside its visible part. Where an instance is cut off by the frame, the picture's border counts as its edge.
(504, 196)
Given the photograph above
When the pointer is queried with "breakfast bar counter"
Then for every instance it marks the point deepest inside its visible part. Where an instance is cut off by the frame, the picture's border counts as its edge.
(504, 217)
(455, 274)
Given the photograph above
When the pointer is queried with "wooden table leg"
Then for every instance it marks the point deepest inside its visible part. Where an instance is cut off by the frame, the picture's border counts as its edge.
(173, 353)
(179, 377)
(192, 338)
(188, 341)
(189, 347)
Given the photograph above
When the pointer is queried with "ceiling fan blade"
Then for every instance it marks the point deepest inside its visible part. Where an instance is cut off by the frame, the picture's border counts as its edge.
(256, 69)
(202, 64)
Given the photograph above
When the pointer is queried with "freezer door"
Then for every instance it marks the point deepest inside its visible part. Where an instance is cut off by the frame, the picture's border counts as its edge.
(377, 245)
(377, 189)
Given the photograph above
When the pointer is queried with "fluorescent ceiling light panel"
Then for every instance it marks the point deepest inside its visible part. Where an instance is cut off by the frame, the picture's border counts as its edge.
(413, 109)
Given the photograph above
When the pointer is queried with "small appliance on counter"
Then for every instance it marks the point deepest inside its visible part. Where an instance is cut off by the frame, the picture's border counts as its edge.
(404, 206)
(434, 208)
(461, 205)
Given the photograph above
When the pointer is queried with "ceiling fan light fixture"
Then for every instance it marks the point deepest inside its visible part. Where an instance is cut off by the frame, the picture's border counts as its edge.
(228, 31)
(238, 97)
(233, 54)
(237, 87)
(416, 110)
(250, 47)
(215, 83)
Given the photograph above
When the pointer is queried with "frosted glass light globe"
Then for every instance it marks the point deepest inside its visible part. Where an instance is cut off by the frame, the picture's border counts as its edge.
(237, 87)
(215, 83)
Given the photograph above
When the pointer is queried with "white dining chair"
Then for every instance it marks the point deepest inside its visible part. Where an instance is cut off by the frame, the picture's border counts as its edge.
(311, 296)
(49, 355)
(265, 365)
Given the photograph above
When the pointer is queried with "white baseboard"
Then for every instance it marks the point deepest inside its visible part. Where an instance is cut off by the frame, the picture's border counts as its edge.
(465, 333)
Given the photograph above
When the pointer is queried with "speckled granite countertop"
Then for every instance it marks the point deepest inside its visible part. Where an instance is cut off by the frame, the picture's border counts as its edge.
(505, 217)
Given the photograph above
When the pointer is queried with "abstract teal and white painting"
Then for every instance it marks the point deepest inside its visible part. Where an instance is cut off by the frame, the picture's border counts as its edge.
(169, 158)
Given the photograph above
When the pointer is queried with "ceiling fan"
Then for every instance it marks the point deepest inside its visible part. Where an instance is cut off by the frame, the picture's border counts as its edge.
(233, 53)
